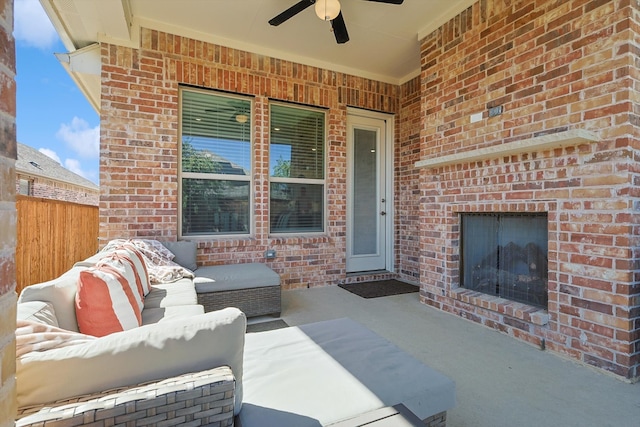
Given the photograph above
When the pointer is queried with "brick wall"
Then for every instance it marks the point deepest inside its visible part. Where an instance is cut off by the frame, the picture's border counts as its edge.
(50, 189)
(553, 66)
(407, 181)
(8, 155)
(139, 146)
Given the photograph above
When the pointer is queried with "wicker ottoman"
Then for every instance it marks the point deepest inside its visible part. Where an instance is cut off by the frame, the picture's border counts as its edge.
(252, 287)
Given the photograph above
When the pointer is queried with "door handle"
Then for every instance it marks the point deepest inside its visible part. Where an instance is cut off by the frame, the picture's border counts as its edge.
(383, 213)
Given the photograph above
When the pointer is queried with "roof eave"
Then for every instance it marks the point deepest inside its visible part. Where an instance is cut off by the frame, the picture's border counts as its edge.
(83, 65)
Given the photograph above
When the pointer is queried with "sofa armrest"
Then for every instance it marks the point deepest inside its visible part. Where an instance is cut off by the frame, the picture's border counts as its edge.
(148, 353)
(205, 396)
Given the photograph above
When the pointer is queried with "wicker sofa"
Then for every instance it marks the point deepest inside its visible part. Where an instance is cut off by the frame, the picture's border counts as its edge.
(199, 398)
(175, 343)
(185, 366)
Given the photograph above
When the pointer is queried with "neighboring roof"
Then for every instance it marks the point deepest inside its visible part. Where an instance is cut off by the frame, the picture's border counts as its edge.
(33, 162)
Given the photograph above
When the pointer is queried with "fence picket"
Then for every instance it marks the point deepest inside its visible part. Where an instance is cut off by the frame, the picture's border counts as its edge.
(51, 236)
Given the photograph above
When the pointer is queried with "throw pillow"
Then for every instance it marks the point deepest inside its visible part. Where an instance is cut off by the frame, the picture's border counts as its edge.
(105, 302)
(125, 248)
(37, 311)
(140, 265)
(123, 262)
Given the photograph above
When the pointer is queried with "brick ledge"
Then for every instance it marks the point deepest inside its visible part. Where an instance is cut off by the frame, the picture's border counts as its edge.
(543, 142)
(527, 313)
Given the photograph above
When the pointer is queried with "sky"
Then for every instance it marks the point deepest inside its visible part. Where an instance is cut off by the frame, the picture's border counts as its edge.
(53, 116)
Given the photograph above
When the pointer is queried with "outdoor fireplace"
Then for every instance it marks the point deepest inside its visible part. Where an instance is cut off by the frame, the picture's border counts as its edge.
(505, 255)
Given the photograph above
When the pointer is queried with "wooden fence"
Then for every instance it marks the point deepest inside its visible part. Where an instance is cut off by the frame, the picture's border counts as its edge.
(52, 235)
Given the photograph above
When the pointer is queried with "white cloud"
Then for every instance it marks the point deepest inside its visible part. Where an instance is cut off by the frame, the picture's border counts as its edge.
(50, 153)
(74, 166)
(32, 25)
(81, 138)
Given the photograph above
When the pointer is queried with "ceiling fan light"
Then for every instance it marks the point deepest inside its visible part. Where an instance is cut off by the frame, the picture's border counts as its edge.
(242, 118)
(327, 10)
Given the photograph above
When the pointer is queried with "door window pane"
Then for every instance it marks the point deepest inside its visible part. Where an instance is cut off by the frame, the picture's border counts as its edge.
(365, 193)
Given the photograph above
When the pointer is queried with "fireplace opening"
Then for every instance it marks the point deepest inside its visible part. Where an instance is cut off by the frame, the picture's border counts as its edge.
(505, 255)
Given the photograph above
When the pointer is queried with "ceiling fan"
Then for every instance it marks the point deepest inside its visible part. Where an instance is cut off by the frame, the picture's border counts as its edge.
(327, 10)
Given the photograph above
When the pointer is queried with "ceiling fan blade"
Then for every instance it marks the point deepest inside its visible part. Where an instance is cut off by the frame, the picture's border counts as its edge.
(340, 29)
(291, 12)
(388, 1)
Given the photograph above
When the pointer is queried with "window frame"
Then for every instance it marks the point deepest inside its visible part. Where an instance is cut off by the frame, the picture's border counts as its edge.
(294, 180)
(215, 176)
(25, 184)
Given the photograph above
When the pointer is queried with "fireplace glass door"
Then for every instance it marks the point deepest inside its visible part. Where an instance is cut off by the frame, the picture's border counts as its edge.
(505, 254)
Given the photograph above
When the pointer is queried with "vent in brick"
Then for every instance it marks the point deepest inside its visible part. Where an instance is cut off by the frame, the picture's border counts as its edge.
(505, 255)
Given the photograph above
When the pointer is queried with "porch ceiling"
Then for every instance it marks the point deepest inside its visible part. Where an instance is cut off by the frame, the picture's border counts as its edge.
(383, 38)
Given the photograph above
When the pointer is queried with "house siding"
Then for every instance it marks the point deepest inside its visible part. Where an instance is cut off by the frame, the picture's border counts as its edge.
(8, 155)
(139, 146)
(553, 66)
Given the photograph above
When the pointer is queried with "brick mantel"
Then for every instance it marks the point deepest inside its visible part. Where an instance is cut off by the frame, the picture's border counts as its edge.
(537, 143)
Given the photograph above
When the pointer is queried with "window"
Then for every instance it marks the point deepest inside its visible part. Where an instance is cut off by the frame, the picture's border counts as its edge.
(296, 169)
(25, 187)
(215, 164)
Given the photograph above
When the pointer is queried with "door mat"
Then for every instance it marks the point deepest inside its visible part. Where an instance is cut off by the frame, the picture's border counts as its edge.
(381, 288)
(267, 326)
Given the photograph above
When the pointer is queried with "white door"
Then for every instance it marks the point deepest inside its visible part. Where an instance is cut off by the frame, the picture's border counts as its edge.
(369, 187)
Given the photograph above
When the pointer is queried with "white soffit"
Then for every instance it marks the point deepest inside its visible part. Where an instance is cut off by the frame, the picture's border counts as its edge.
(384, 39)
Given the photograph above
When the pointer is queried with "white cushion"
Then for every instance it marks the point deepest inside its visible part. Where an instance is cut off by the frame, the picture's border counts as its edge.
(329, 371)
(163, 314)
(147, 353)
(230, 277)
(180, 292)
(61, 293)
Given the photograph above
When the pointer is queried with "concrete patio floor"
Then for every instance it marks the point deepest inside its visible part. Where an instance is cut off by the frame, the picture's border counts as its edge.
(500, 381)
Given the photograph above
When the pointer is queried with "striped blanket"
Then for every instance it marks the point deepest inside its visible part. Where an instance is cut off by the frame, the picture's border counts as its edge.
(159, 260)
(34, 336)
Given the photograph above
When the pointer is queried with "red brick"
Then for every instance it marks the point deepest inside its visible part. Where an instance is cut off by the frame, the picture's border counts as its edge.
(576, 81)
(479, 60)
